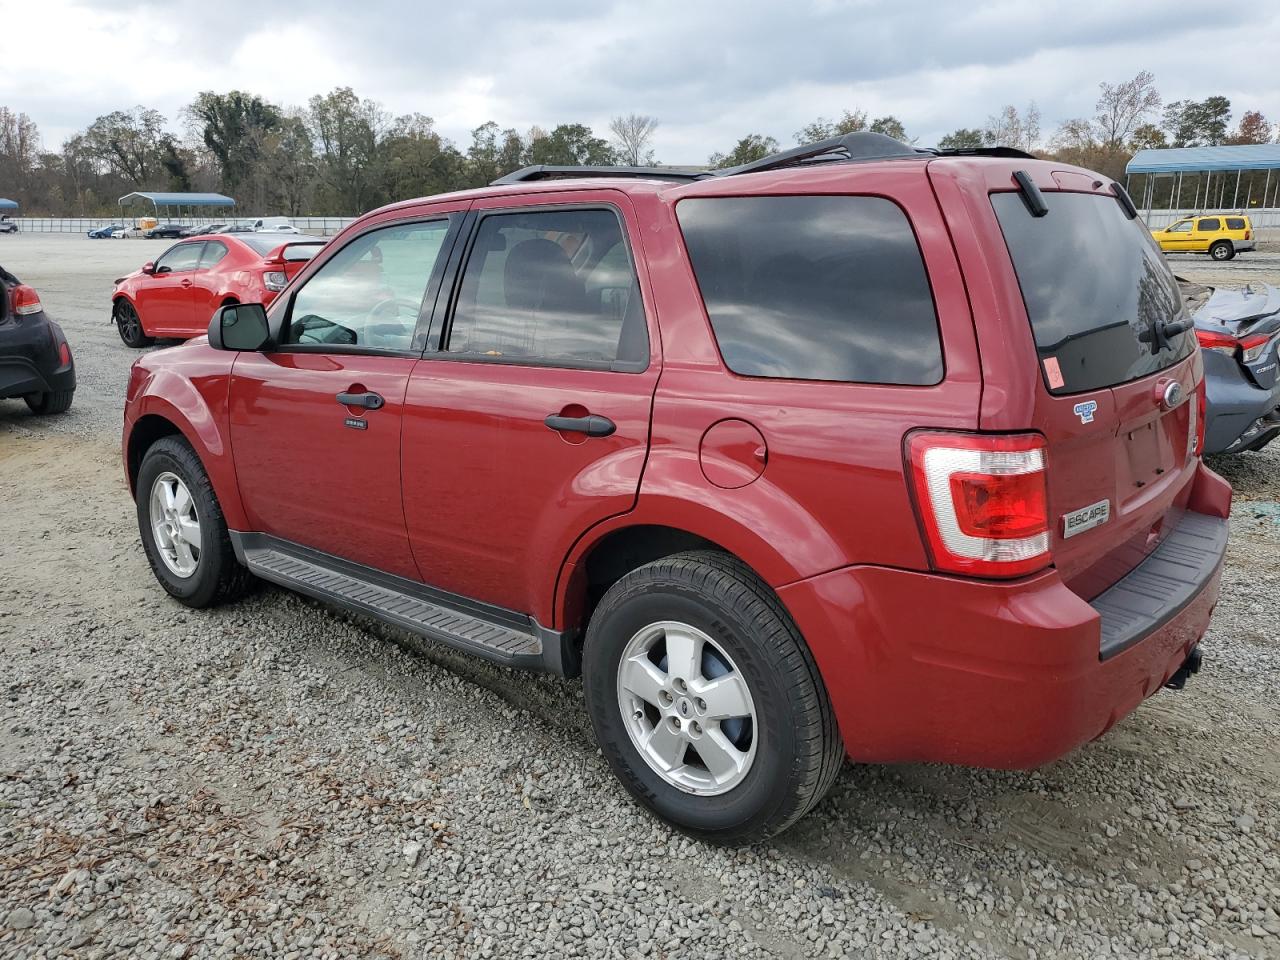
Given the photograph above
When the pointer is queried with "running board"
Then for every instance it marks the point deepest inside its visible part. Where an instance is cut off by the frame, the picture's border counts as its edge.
(493, 633)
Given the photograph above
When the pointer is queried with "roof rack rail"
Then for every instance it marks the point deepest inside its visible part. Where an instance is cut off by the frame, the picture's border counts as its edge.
(543, 171)
(863, 145)
(1013, 153)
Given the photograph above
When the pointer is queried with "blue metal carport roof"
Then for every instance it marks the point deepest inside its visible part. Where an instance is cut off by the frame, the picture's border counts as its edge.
(8, 204)
(1257, 156)
(182, 199)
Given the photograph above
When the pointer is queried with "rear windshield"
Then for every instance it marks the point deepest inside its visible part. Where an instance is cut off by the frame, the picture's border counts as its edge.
(298, 250)
(1096, 288)
(814, 288)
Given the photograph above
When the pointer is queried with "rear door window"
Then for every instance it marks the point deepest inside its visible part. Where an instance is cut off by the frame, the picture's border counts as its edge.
(1096, 290)
(1209, 225)
(553, 287)
(814, 288)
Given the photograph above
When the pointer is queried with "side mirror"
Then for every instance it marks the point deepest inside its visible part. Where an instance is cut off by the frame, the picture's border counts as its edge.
(240, 326)
(148, 267)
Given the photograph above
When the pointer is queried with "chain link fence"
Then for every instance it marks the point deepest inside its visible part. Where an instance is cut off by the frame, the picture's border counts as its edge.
(317, 226)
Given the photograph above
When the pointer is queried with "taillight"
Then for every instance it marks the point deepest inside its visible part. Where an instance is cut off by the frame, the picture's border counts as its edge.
(64, 354)
(25, 300)
(274, 280)
(1248, 234)
(983, 501)
(1254, 347)
(1222, 342)
(1251, 348)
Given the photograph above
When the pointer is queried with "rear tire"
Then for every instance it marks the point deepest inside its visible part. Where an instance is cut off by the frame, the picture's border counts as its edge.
(1222, 250)
(129, 324)
(711, 613)
(55, 401)
(201, 569)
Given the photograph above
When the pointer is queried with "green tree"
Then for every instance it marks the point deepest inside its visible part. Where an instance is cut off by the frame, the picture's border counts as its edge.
(347, 131)
(753, 146)
(417, 161)
(1196, 123)
(965, 138)
(890, 126)
(130, 142)
(235, 128)
(1148, 136)
(493, 153)
(570, 145)
(851, 121)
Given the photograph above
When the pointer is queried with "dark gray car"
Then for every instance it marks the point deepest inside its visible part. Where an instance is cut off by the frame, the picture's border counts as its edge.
(1239, 333)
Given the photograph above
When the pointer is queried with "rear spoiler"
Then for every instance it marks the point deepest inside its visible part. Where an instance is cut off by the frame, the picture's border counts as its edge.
(282, 254)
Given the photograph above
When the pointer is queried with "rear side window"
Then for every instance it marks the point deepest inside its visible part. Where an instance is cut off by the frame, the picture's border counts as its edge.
(1095, 287)
(1235, 223)
(1209, 225)
(814, 288)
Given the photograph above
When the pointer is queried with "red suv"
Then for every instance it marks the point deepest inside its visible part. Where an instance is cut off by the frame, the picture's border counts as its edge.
(858, 450)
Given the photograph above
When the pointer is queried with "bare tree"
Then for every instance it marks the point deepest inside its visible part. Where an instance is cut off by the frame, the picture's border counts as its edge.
(1122, 108)
(1009, 128)
(633, 134)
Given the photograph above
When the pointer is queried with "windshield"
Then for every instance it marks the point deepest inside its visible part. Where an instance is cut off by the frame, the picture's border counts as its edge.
(1096, 288)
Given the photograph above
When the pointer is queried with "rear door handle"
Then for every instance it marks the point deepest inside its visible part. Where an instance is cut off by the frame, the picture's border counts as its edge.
(368, 400)
(593, 425)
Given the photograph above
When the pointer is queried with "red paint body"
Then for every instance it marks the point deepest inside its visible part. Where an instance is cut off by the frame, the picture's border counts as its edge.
(457, 481)
(179, 305)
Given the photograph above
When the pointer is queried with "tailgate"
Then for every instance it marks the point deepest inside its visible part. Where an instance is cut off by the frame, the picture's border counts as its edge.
(1116, 387)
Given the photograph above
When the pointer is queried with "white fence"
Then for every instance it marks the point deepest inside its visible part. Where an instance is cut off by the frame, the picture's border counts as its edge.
(318, 226)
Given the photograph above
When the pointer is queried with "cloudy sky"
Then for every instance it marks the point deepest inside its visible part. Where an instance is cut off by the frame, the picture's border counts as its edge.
(710, 72)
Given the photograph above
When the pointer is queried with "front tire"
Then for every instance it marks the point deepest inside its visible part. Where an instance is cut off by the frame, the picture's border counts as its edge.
(182, 528)
(1222, 250)
(705, 700)
(54, 401)
(129, 324)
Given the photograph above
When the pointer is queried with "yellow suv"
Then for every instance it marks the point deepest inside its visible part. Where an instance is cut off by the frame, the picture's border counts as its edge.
(1221, 236)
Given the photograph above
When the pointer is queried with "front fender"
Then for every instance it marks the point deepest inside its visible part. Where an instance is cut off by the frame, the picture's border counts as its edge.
(195, 402)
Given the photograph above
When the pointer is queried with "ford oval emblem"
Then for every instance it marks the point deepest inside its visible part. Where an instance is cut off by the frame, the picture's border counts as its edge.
(1172, 395)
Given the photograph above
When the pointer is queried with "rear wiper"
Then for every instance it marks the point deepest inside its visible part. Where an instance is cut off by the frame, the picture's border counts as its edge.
(1162, 331)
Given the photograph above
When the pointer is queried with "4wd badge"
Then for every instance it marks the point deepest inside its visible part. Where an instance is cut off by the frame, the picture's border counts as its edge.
(1085, 410)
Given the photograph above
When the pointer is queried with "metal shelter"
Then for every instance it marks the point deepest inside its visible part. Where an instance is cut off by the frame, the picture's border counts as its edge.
(1195, 179)
(6, 204)
(164, 205)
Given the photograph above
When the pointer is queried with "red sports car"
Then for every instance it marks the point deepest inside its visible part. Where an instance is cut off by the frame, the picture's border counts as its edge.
(177, 294)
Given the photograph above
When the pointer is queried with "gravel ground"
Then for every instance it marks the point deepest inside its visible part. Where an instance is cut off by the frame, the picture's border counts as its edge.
(276, 779)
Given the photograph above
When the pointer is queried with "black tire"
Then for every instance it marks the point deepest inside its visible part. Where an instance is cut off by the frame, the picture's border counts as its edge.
(1222, 250)
(218, 577)
(129, 324)
(55, 401)
(799, 751)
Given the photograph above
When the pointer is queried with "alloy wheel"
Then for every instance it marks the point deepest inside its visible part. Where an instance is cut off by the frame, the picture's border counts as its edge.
(687, 708)
(175, 524)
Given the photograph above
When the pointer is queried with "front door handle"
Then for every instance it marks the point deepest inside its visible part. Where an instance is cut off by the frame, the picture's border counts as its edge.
(593, 425)
(369, 400)
(184, 283)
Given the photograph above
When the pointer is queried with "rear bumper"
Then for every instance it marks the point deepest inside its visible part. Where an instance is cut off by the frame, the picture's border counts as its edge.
(29, 361)
(922, 667)
(1233, 404)
(1243, 246)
